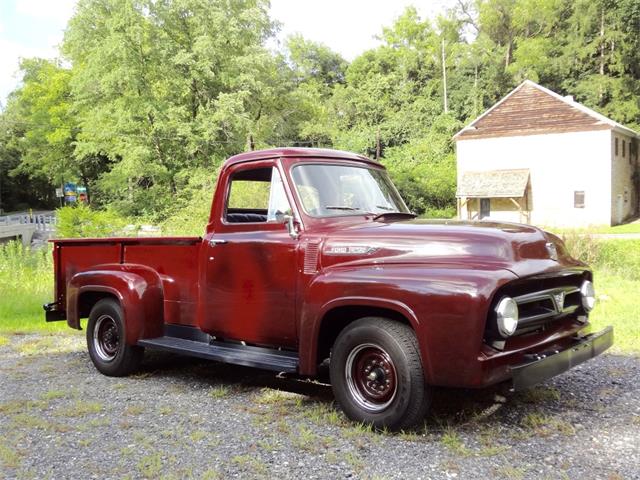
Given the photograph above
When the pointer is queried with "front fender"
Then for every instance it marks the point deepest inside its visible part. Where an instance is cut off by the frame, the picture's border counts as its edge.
(446, 307)
(138, 289)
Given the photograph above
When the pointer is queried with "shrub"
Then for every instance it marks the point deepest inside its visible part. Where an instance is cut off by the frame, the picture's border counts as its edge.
(81, 221)
(618, 256)
(583, 247)
(446, 213)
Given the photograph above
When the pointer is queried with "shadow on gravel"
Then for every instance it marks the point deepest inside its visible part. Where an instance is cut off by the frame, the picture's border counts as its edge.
(449, 406)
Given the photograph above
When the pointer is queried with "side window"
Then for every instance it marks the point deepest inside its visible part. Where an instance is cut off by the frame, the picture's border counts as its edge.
(256, 196)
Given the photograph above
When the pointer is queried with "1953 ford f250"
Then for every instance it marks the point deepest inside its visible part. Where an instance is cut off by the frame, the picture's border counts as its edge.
(311, 255)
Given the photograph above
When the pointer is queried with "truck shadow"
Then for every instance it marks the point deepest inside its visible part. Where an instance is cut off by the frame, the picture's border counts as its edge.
(449, 406)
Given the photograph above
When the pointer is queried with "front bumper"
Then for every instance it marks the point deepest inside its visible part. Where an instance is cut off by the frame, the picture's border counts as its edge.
(544, 365)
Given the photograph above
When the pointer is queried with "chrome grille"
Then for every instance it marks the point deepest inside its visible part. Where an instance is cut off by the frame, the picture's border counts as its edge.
(540, 303)
(538, 308)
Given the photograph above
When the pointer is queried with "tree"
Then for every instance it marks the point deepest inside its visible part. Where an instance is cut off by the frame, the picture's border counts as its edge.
(602, 58)
(164, 86)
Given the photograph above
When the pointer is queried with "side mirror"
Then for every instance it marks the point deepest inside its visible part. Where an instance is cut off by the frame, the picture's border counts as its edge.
(292, 226)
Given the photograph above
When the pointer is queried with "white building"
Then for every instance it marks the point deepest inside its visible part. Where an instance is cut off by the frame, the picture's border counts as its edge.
(537, 157)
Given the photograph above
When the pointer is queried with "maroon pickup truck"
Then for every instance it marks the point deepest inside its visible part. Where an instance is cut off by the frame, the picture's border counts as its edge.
(311, 255)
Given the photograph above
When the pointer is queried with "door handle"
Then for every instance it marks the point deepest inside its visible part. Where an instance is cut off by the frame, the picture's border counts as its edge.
(213, 242)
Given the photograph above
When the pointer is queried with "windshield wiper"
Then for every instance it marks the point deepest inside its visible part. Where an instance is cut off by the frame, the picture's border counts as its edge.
(340, 207)
(390, 214)
(385, 207)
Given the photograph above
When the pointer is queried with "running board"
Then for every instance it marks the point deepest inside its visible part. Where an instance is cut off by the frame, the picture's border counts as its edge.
(237, 354)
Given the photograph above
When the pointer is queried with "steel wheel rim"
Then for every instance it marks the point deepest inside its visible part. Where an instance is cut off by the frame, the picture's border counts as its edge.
(106, 338)
(371, 377)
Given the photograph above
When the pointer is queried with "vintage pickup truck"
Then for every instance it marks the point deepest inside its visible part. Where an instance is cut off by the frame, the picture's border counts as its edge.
(311, 255)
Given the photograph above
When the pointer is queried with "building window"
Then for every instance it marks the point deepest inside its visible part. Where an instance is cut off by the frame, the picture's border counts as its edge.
(578, 199)
(616, 146)
(624, 148)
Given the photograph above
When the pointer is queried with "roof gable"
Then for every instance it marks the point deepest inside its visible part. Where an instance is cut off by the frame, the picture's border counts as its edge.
(531, 109)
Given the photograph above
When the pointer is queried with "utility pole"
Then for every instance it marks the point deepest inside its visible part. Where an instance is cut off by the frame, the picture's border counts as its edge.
(444, 78)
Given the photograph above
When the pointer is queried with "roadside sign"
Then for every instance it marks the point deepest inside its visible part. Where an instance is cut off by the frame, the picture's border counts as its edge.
(59, 193)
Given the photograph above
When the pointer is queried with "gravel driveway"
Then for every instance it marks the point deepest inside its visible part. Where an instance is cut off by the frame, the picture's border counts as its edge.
(185, 418)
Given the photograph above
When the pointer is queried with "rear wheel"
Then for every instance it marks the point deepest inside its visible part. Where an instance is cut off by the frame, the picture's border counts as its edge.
(108, 349)
(377, 375)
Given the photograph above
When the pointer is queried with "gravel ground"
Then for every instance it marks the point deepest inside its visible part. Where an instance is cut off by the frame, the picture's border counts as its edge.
(185, 418)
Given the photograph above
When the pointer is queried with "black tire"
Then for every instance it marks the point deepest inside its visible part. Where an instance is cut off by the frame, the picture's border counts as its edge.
(108, 350)
(377, 375)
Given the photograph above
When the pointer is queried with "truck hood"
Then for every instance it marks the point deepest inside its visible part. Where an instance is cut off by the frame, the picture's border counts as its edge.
(522, 249)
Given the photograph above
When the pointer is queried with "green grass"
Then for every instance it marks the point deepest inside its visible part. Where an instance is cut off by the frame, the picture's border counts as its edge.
(618, 305)
(26, 283)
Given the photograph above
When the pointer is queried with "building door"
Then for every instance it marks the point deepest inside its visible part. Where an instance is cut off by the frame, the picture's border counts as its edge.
(619, 210)
(485, 207)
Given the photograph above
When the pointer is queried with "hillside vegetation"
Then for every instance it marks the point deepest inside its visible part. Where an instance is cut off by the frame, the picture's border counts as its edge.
(147, 98)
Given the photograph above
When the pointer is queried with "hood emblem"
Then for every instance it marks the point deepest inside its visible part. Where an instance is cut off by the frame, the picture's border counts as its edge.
(559, 299)
(349, 250)
(553, 251)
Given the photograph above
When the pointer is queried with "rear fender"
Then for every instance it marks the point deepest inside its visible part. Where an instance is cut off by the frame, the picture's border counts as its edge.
(138, 289)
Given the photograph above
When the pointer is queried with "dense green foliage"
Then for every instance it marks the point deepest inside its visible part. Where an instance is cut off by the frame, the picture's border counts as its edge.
(149, 97)
(83, 222)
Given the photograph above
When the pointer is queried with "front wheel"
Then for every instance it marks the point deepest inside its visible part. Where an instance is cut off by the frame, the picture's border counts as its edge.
(108, 350)
(377, 375)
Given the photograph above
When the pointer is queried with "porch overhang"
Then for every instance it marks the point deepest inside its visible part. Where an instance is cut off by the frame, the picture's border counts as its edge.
(494, 184)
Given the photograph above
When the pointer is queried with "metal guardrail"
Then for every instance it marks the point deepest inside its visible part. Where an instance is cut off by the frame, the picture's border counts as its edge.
(43, 222)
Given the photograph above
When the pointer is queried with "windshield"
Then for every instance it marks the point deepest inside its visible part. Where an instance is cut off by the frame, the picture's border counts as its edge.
(334, 190)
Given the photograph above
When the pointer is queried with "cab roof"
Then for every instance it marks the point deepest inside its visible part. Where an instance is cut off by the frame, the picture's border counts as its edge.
(319, 153)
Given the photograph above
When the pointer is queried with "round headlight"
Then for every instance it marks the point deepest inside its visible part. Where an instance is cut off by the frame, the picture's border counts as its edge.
(588, 295)
(507, 316)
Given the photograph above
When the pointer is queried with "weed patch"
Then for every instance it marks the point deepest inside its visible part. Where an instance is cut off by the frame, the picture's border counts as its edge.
(247, 463)
(545, 425)
(9, 457)
(80, 408)
(219, 391)
(452, 441)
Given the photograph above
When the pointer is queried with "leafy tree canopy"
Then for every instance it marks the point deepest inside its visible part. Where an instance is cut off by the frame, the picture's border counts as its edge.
(149, 96)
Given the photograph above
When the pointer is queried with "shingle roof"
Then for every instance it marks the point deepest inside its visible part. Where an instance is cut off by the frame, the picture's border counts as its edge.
(532, 109)
(494, 183)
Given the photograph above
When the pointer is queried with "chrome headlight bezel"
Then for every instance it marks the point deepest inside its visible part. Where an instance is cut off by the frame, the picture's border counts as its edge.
(507, 316)
(588, 295)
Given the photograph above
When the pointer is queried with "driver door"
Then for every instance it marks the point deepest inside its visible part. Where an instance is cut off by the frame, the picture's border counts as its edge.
(251, 268)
